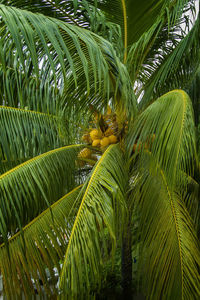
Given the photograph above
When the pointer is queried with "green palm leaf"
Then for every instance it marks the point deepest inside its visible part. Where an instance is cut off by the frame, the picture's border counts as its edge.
(33, 186)
(101, 214)
(65, 11)
(45, 239)
(25, 134)
(172, 69)
(22, 90)
(157, 44)
(170, 253)
(189, 189)
(194, 93)
(135, 17)
(170, 119)
(74, 60)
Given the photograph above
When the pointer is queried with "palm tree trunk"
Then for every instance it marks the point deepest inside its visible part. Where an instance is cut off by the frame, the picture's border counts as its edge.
(126, 267)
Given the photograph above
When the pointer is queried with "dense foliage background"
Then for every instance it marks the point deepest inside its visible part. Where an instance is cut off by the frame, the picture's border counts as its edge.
(126, 218)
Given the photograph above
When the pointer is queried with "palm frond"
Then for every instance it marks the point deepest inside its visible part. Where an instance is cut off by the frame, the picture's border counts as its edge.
(33, 186)
(168, 125)
(71, 11)
(170, 253)
(100, 215)
(135, 17)
(188, 188)
(173, 65)
(22, 90)
(36, 257)
(72, 59)
(194, 93)
(25, 134)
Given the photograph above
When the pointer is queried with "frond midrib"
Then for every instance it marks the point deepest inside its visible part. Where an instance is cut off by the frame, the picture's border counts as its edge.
(2, 107)
(176, 226)
(182, 123)
(81, 205)
(41, 215)
(125, 29)
(37, 158)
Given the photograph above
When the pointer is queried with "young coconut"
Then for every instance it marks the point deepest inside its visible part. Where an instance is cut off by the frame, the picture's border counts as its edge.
(112, 139)
(96, 143)
(105, 142)
(95, 134)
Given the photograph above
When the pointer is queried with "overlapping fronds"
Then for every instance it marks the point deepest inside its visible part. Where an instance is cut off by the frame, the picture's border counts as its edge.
(136, 17)
(25, 134)
(35, 258)
(25, 91)
(194, 93)
(170, 252)
(72, 11)
(74, 60)
(143, 55)
(173, 66)
(133, 17)
(33, 186)
(188, 188)
(99, 221)
(167, 128)
(80, 13)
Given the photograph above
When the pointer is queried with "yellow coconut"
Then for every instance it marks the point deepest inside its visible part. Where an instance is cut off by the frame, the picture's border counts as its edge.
(85, 153)
(112, 139)
(96, 143)
(105, 142)
(95, 134)
(109, 132)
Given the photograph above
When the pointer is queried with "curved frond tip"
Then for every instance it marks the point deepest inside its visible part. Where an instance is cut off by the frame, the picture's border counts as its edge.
(170, 252)
(25, 134)
(36, 257)
(170, 122)
(100, 218)
(34, 185)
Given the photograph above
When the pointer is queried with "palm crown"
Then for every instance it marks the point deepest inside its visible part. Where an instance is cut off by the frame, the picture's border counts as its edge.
(68, 67)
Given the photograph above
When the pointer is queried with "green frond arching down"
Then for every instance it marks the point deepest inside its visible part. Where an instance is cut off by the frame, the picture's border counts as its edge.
(76, 61)
(25, 134)
(135, 17)
(169, 122)
(188, 188)
(40, 251)
(173, 66)
(100, 216)
(71, 11)
(121, 91)
(170, 255)
(194, 93)
(160, 38)
(81, 13)
(34, 185)
(21, 90)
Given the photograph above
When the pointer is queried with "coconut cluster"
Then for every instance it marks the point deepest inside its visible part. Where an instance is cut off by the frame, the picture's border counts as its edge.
(100, 139)
(102, 133)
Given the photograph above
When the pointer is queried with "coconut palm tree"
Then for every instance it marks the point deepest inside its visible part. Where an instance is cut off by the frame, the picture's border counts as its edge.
(129, 208)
